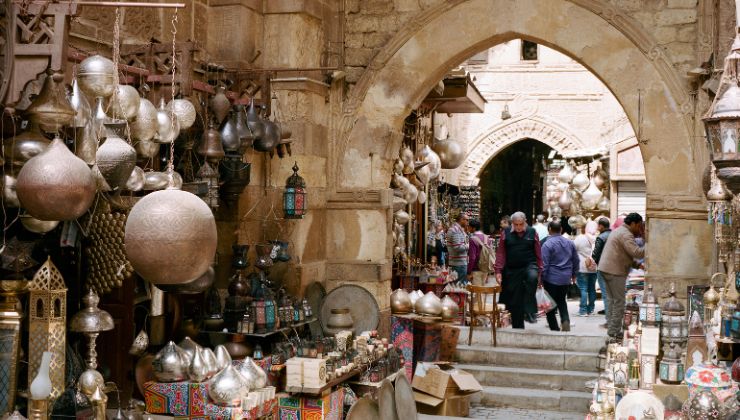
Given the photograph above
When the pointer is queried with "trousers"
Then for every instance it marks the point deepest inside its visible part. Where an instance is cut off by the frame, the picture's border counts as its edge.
(559, 293)
(518, 286)
(587, 286)
(602, 286)
(615, 286)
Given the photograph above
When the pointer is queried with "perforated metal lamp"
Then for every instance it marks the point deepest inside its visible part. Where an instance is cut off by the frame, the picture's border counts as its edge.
(722, 121)
(294, 196)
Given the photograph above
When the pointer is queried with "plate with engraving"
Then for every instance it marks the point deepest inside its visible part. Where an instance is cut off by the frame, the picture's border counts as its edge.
(361, 304)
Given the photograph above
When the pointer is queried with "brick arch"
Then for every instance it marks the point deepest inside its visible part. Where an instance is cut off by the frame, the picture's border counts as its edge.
(502, 135)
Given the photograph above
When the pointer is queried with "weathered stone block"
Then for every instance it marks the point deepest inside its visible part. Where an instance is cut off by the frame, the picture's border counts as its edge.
(665, 34)
(358, 56)
(676, 17)
(354, 40)
(352, 6)
(354, 74)
(681, 4)
(406, 5)
(687, 34)
(377, 6)
(375, 39)
(363, 23)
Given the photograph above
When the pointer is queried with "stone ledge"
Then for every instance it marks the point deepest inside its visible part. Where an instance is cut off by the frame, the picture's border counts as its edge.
(304, 84)
(255, 5)
(360, 199)
(357, 270)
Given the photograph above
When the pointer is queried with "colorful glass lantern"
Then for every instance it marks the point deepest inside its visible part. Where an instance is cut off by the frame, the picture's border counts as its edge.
(650, 311)
(671, 366)
(294, 197)
(675, 327)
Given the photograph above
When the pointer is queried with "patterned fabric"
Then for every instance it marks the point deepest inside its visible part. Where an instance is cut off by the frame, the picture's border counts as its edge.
(402, 336)
(427, 340)
(329, 407)
(457, 246)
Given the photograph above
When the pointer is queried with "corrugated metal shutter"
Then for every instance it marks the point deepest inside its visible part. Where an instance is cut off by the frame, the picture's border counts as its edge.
(631, 197)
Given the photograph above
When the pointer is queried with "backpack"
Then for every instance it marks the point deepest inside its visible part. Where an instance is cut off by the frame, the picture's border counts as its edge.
(487, 258)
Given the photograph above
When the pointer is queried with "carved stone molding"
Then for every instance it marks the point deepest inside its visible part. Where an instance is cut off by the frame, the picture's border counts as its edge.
(676, 207)
(367, 271)
(505, 133)
(360, 199)
(312, 8)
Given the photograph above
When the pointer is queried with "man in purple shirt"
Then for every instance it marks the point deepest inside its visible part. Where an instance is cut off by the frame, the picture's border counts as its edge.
(560, 268)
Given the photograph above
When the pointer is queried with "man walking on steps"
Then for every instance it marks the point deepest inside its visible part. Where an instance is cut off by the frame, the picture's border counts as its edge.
(620, 252)
(518, 266)
(604, 231)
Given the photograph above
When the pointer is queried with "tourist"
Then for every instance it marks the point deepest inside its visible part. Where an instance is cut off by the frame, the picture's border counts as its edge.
(457, 247)
(618, 256)
(518, 265)
(540, 227)
(504, 223)
(584, 244)
(477, 240)
(560, 268)
(604, 231)
(440, 250)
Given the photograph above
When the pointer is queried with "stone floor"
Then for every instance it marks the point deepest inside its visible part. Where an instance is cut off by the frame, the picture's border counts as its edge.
(500, 413)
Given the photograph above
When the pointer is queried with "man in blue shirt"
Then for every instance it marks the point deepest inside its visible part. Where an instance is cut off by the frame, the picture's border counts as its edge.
(560, 268)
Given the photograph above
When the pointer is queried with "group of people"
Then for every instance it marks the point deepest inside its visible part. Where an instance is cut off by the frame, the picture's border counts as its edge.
(529, 257)
(460, 247)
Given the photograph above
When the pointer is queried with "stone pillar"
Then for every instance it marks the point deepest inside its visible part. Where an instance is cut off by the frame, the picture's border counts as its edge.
(234, 31)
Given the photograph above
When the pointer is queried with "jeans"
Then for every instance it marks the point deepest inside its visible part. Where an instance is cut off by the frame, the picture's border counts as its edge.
(604, 294)
(615, 286)
(587, 286)
(462, 273)
(559, 293)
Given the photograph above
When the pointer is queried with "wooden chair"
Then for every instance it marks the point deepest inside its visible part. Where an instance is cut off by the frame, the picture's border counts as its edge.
(482, 303)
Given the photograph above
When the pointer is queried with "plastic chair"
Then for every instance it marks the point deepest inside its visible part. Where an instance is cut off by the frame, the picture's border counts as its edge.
(482, 303)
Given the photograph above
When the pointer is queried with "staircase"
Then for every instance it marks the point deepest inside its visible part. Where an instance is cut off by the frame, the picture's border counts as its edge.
(538, 370)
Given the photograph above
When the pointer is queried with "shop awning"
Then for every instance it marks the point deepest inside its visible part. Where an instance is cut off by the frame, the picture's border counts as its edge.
(460, 96)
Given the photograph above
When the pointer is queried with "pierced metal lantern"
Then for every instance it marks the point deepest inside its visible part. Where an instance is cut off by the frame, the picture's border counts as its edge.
(671, 366)
(294, 197)
(47, 324)
(675, 327)
(650, 311)
(722, 121)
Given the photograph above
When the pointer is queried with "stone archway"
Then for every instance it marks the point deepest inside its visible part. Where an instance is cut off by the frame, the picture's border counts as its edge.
(506, 133)
(612, 45)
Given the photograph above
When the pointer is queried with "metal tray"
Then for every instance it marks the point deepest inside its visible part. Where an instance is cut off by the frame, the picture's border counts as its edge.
(361, 303)
(364, 409)
(405, 403)
(387, 400)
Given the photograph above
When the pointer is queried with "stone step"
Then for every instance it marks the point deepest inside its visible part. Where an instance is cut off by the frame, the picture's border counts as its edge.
(552, 340)
(527, 358)
(518, 377)
(534, 399)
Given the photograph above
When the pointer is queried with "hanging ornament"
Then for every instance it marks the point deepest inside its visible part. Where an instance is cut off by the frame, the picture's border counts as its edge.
(435, 165)
(719, 206)
(407, 157)
(566, 174)
(19, 149)
(125, 103)
(255, 124)
(565, 201)
(144, 126)
(604, 204)
(422, 172)
(580, 181)
(411, 194)
(600, 178)
(135, 181)
(184, 110)
(422, 197)
(211, 146)
(591, 196)
(116, 158)
(56, 184)
(147, 149)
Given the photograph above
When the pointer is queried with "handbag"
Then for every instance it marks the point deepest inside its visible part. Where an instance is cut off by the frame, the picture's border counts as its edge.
(574, 292)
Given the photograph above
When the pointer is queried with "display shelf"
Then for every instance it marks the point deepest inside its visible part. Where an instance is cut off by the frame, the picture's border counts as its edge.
(269, 333)
(319, 391)
(391, 377)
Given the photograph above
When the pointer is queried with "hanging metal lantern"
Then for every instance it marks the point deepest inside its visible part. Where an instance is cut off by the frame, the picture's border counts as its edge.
(294, 197)
(184, 110)
(168, 128)
(675, 327)
(170, 237)
(591, 196)
(80, 105)
(604, 203)
(144, 126)
(211, 146)
(220, 104)
(566, 174)
(56, 184)
(116, 158)
(97, 76)
(51, 110)
(451, 153)
(719, 202)
(229, 134)
(125, 102)
(580, 181)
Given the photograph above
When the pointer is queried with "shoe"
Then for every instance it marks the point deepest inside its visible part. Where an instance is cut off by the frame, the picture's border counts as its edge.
(591, 313)
(565, 326)
(604, 325)
(601, 312)
(530, 318)
(584, 315)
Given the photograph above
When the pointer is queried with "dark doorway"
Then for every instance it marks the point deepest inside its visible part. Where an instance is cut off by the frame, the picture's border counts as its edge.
(513, 181)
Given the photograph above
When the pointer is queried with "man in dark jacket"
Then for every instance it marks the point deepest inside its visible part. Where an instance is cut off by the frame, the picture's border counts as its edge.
(604, 231)
(518, 264)
(560, 268)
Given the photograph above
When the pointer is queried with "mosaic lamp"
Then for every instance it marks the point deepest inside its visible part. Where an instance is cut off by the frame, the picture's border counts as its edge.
(294, 197)
(650, 311)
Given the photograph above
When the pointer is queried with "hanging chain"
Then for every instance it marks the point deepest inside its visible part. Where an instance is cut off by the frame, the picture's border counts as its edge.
(171, 164)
